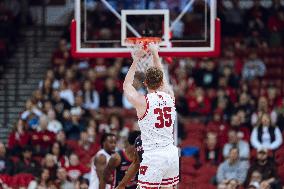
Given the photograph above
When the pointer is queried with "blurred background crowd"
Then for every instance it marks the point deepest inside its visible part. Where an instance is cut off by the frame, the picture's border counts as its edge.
(230, 108)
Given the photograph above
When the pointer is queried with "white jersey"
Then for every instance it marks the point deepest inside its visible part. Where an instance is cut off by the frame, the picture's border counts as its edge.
(94, 180)
(157, 124)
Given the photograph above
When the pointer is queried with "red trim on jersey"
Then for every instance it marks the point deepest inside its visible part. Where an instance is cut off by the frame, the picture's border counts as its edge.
(169, 183)
(146, 112)
(173, 178)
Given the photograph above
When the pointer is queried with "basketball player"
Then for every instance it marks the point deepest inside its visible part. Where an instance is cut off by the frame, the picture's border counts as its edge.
(156, 112)
(100, 161)
(134, 167)
(120, 162)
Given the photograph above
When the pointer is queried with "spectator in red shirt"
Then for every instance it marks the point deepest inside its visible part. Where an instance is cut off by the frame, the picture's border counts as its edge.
(198, 103)
(18, 138)
(84, 148)
(243, 132)
(219, 126)
(76, 168)
(61, 56)
(42, 139)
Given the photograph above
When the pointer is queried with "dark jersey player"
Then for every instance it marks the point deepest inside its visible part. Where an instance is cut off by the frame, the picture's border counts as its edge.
(120, 162)
(134, 167)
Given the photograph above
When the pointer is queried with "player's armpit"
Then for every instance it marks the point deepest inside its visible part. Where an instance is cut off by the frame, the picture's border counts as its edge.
(111, 166)
(100, 163)
(131, 173)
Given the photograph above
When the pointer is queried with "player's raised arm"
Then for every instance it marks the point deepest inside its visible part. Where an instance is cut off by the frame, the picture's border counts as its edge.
(157, 63)
(129, 91)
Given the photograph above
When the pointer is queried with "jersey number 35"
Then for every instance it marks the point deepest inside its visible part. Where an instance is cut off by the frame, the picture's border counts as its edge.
(164, 117)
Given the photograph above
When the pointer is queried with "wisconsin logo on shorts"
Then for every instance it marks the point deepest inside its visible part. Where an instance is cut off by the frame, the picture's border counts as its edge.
(143, 169)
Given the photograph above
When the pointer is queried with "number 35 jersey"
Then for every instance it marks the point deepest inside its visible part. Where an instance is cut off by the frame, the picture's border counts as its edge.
(157, 124)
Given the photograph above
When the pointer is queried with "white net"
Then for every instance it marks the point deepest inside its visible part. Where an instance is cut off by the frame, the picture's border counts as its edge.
(141, 53)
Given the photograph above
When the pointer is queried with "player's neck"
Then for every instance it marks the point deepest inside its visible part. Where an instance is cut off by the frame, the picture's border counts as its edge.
(152, 91)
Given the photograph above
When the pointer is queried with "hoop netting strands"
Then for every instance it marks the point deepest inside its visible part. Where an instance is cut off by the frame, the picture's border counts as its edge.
(141, 53)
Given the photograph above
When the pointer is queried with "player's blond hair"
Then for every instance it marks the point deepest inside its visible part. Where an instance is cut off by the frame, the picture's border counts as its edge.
(153, 78)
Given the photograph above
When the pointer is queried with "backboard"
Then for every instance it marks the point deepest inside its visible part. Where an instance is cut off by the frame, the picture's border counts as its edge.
(187, 27)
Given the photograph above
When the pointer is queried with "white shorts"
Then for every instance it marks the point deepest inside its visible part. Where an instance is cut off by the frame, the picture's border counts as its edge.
(159, 168)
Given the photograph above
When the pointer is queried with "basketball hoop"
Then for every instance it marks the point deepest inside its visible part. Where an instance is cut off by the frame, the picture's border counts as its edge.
(139, 49)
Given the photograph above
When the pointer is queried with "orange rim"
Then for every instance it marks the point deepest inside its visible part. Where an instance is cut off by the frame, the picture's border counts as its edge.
(144, 40)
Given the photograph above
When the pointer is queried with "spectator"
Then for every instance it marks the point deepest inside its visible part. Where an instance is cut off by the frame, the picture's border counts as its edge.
(219, 126)
(31, 114)
(76, 168)
(53, 124)
(6, 165)
(110, 96)
(84, 148)
(266, 135)
(50, 164)
(62, 180)
(90, 96)
(232, 168)
(50, 76)
(266, 166)
(74, 123)
(234, 18)
(42, 139)
(47, 89)
(66, 93)
(207, 76)
(235, 141)
(61, 56)
(254, 178)
(212, 151)
(27, 164)
(262, 107)
(243, 132)
(82, 183)
(61, 139)
(59, 104)
(244, 104)
(276, 28)
(18, 138)
(58, 156)
(42, 183)
(198, 103)
(254, 67)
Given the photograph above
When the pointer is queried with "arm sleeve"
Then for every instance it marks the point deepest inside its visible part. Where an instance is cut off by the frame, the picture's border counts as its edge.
(220, 173)
(242, 172)
(244, 150)
(254, 140)
(278, 139)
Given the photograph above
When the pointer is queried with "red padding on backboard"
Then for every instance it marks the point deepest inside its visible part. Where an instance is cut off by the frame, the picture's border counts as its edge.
(216, 52)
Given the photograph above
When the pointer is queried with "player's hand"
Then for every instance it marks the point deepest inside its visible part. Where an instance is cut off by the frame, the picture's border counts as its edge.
(153, 48)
